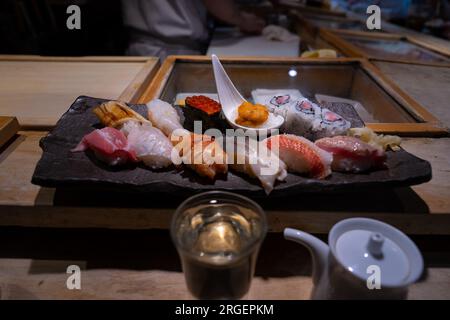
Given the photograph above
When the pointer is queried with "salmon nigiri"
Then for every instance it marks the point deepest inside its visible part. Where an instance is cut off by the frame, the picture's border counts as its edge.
(301, 155)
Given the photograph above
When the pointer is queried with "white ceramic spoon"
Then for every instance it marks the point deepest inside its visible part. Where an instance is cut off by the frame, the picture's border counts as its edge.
(231, 99)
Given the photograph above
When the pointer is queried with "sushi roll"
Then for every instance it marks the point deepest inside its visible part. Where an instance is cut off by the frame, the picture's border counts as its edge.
(305, 118)
(332, 124)
(275, 98)
(351, 154)
(279, 101)
(301, 155)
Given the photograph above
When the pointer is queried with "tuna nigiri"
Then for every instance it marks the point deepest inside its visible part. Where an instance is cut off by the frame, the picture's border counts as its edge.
(301, 155)
(109, 145)
(351, 154)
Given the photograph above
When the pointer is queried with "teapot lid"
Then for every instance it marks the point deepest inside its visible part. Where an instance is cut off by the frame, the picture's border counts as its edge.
(364, 246)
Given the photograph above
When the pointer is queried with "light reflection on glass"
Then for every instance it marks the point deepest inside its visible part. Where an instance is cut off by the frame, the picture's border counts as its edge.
(292, 73)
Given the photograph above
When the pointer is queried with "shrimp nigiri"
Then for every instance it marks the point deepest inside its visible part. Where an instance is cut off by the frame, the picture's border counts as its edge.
(201, 153)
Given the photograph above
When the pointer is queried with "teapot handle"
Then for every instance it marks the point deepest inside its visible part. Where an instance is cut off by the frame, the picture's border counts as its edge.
(319, 250)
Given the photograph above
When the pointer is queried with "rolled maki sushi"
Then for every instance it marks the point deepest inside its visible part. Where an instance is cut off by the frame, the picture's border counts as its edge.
(308, 119)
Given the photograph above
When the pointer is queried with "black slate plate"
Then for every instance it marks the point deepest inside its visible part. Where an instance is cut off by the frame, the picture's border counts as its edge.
(59, 167)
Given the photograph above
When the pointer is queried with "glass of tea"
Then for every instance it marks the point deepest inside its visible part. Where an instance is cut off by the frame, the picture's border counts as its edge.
(218, 235)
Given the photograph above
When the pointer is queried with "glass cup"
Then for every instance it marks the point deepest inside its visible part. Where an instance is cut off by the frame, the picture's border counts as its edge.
(218, 235)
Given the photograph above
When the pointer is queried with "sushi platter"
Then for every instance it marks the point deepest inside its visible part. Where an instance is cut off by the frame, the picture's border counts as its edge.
(85, 203)
(154, 147)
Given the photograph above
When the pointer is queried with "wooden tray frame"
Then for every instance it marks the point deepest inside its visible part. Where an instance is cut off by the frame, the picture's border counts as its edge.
(9, 126)
(309, 33)
(309, 9)
(429, 125)
(131, 93)
(302, 19)
(335, 37)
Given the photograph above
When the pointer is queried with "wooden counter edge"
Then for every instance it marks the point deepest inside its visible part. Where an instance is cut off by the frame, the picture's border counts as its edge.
(77, 58)
(160, 218)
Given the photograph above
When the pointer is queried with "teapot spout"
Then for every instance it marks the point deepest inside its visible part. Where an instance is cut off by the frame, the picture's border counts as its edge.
(319, 250)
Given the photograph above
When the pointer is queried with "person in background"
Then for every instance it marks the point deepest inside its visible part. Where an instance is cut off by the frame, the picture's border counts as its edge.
(161, 28)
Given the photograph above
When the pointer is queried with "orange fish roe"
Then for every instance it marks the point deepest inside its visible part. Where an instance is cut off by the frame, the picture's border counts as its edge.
(205, 104)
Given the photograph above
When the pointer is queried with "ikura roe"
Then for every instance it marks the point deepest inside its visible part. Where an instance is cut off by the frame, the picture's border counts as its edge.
(205, 104)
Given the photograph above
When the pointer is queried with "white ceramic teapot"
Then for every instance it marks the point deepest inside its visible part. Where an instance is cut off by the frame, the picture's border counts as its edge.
(365, 259)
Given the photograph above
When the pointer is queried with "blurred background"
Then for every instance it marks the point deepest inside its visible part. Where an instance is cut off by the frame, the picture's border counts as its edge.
(115, 27)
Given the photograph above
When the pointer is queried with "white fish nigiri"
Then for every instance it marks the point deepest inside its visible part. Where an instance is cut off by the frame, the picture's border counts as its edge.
(301, 155)
(150, 145)
(257, 161)
(163, 116)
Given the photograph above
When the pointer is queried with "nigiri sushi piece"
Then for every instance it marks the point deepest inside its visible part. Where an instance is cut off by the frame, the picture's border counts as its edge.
(203, 109)
(257, 161)
(351, 154)
(201, 153)
(163, 116)
(152, 147)
(115, 114)
(301, 155)
(109, 145)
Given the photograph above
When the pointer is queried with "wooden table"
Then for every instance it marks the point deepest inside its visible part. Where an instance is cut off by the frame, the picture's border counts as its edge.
(144, 265)
(38, 90)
